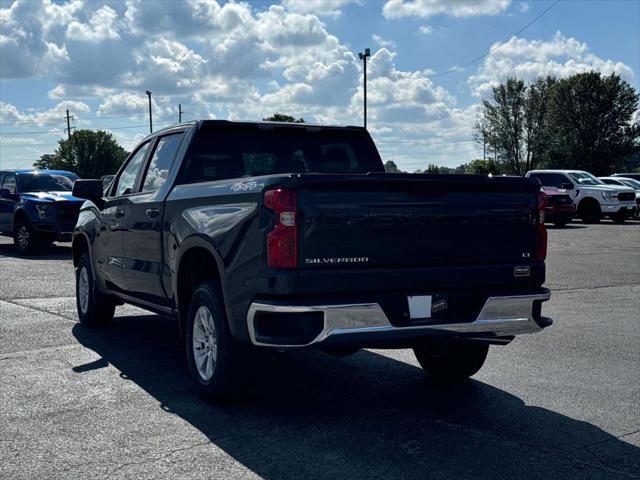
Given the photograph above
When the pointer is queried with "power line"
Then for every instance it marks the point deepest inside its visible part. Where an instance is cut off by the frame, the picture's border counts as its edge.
(491, 50)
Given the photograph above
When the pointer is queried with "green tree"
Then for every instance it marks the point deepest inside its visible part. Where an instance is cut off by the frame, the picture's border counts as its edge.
(89, 154)
(431, 168)
(482, 167)
(514, 124)
(591, 117)
(281, 117)
(391, 167)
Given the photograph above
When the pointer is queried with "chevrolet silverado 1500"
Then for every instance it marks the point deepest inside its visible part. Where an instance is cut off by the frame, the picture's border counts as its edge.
(289, 236)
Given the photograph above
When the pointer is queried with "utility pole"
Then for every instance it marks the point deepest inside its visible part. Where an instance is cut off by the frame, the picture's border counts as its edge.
(69, 117)
(363, 57)
(150, 113)
(179, 113)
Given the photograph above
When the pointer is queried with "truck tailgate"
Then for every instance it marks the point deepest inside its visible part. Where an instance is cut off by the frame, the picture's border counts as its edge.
(398, 221)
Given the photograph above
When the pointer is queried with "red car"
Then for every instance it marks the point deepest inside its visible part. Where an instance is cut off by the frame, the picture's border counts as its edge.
(560, 208)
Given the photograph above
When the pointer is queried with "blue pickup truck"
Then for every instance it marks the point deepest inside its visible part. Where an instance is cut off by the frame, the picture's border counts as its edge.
(37, 207)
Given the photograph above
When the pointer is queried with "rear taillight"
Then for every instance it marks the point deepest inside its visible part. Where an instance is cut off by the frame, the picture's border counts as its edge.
(282, 241)
(541, 231)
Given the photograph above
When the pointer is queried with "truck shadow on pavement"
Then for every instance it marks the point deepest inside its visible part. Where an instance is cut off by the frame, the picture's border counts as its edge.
(309, 415)
(50, 252)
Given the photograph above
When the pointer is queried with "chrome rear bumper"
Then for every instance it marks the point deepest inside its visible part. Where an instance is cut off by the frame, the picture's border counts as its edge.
(503, 316)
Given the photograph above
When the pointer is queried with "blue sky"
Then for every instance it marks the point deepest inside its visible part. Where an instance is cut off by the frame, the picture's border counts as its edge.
(245, 60)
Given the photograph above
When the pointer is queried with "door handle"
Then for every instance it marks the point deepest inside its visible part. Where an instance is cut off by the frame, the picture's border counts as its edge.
(152, 212)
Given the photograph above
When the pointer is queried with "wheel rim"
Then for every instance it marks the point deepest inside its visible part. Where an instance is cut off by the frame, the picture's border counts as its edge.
(205, 343)
(23, 237)
(83, 289)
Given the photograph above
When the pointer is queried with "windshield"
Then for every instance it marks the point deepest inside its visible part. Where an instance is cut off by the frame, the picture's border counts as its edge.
(629, 182)
(45, 182)
(584, 178)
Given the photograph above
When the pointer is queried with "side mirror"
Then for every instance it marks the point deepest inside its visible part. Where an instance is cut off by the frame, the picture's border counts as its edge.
(567, 186)
(89, 190)
(5, 193)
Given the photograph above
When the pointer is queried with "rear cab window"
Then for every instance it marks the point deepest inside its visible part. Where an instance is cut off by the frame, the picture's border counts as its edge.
(228, 152)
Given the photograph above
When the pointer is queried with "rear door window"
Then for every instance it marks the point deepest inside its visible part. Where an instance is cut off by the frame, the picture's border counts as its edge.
(161, 161)
(9, 183)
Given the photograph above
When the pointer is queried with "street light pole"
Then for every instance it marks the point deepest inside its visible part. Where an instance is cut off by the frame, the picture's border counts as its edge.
(363, 57)
(150, 114)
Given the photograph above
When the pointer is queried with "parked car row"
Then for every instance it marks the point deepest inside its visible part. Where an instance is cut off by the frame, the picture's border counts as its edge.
(593, 198)
(37, 207)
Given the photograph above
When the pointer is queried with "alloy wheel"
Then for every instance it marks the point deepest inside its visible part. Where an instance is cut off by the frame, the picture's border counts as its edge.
(205, 343)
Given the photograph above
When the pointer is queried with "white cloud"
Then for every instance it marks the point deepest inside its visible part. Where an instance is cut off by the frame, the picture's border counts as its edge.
(128, 103)
(331, 8)
(191, 18)
(524, 7)
(530, 59)
(11, 114)
(101, 26)
(457, 8)
(382, 42)
(23, 43)
(425, 30)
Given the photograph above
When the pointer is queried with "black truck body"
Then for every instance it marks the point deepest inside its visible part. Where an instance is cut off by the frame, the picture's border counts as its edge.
(306, 242)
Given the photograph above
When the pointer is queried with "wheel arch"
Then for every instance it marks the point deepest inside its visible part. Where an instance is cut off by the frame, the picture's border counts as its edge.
(198, 262)
(19, 214)
(80, 246)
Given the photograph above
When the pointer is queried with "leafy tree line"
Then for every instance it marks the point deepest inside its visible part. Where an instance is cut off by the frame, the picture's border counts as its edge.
(583, 122)
(87, 153)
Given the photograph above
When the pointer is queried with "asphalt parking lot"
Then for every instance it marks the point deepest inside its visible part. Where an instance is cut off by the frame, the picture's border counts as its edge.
(117, 402)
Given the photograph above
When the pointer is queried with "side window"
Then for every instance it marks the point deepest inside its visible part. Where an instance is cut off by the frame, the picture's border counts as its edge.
(9, 183)
(127, 179)
(161, 161)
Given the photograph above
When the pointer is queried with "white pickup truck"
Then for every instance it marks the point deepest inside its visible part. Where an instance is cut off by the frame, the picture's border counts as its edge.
(594, 199)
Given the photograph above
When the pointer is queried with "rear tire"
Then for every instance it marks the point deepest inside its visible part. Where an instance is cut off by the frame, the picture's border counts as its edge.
(450, 360)
(213, 356)
(94, 308)
(561, 223)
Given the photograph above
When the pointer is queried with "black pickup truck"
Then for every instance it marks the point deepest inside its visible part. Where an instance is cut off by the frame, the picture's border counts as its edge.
(291, 236)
